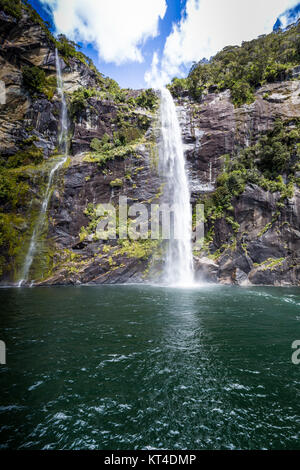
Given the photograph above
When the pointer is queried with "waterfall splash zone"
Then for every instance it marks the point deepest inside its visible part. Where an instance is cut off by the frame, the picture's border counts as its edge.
(178, 269)
(63, 143)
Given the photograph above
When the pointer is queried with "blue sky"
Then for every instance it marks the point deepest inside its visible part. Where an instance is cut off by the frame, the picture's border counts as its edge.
(143, 43)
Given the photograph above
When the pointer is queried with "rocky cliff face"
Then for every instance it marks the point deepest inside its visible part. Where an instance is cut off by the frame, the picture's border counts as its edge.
(263, 247)
(113, 153)
(214, 127)
(119, 121)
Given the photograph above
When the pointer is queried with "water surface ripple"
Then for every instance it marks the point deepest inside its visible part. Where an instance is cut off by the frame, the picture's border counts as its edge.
(140, 367)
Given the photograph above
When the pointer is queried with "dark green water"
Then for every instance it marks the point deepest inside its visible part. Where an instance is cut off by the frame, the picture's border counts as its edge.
(138, 367)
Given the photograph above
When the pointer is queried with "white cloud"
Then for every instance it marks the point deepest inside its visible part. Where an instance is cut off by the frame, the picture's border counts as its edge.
(286, 18)
(117, 28)
(210, 25)
(156, 76)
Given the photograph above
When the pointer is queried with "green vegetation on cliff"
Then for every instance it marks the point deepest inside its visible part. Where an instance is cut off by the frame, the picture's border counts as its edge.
(11, 226)
(34, 78)
(109, 90)
(273, 163)
(36, 82)
(29, 154)
(276, 153)
(268, 58)
(127, 123)
(22, 185)
(13, 188)
(147, 99)
(12, 7)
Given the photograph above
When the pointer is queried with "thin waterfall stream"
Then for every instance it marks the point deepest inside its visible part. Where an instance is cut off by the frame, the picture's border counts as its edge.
(179, 257)
(63, 144)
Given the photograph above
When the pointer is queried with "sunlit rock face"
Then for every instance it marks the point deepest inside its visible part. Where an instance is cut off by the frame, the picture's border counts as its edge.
(214, 127)
(25, 43)
(264, 252)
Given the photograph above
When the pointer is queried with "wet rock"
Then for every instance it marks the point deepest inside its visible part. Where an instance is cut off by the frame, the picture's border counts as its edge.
(205, 270)
(241, 278)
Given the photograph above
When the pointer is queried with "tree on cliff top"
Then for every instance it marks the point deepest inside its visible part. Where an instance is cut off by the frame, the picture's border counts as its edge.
(269, 58)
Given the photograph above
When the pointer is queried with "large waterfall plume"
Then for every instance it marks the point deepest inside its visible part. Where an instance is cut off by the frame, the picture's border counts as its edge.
(179, 256)
(63, 144)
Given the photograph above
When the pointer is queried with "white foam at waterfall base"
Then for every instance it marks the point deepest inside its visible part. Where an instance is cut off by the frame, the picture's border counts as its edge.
(63, 143)
(178, 269)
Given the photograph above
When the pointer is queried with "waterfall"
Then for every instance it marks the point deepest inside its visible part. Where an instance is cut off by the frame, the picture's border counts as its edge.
(179, 256)
(210, 173)
(63, 135)
(63, 144)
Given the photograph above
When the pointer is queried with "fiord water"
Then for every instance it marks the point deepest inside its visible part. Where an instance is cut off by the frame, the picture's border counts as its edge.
(137, 367)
